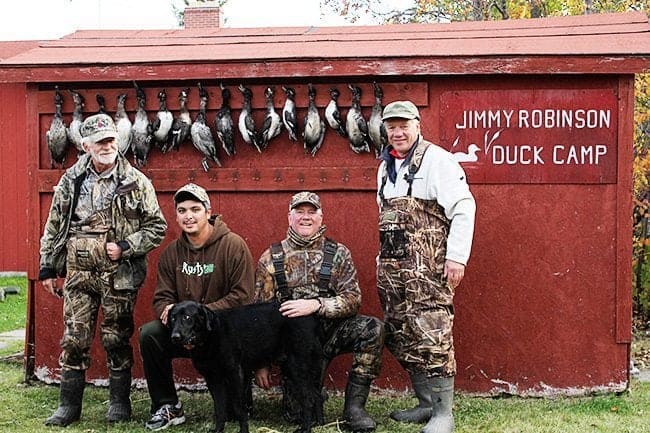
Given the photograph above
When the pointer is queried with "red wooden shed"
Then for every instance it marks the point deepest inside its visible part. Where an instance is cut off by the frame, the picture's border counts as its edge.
(13, 165)
(540, 111)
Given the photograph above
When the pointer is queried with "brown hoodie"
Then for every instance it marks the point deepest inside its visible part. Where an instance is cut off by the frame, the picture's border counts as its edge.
(219, 274)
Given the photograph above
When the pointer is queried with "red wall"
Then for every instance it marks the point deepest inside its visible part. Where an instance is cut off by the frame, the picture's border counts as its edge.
(545, 304)
(13, 178)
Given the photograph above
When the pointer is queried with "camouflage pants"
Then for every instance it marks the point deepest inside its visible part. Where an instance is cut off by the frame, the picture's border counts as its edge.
(363, 336)
(84, 293)
(418, 320)
(415, 297)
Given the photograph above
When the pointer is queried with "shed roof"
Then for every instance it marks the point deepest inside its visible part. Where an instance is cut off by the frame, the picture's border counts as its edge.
(487, 46)
(11, 48)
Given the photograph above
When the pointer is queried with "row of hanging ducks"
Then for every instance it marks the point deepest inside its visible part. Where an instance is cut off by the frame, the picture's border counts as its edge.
(167, 132)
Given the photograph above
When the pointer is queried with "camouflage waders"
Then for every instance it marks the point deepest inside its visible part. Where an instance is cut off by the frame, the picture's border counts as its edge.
(415, 297)
(89, 285)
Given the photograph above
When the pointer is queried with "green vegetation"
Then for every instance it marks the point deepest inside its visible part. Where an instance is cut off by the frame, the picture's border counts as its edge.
(12, 310)
(26, 406)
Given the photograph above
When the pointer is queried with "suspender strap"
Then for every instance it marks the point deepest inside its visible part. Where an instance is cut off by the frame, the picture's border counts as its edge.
(325, 274)
(415, 163)
(277, 255)
(384, 178)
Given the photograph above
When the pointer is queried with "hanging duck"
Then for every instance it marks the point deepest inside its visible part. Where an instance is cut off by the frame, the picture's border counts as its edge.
(183, 123)
(376, 128)
(123, 125)
(333, 115)
(57, 137)
(162, 124)
(101, 104)
(246, 122)
(356, 125)
(272, 123)
(314, 131)
(141, 142)
(202, 135)
(74, 133)
(289, 116)
(223, 123)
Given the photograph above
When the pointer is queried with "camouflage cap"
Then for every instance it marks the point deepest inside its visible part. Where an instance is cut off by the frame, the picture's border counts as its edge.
(304, 197)
(98, 127)
(192, 191)
(401, 110)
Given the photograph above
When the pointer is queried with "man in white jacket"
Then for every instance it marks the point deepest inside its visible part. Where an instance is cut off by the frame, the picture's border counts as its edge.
(426, 224)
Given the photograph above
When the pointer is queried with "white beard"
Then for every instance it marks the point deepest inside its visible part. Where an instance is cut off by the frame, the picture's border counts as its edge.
(106, 159)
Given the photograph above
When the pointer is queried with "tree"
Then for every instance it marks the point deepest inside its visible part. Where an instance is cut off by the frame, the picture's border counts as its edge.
(421, 11)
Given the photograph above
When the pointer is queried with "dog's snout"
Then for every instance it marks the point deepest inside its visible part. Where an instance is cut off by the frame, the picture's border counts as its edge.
(176, 337)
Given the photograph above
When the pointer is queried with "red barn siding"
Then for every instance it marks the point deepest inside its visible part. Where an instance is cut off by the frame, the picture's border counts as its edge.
(13, 167)
(14, 227)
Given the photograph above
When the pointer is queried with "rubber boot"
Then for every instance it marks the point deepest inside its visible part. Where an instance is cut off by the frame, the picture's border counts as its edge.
(442, 398)
(70, 396)
(119, 408)
(422, 412)
(356, 395)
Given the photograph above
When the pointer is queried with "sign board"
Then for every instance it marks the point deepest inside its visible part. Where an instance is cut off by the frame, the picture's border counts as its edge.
(532, 135)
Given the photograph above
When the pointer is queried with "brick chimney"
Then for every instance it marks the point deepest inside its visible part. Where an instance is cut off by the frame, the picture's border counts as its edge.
(202, 15)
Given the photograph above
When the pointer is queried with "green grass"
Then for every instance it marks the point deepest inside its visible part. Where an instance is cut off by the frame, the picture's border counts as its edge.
(12, 310)
(26, 406)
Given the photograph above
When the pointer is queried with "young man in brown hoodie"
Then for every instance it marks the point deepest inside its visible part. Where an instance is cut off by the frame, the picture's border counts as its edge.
(207, 263)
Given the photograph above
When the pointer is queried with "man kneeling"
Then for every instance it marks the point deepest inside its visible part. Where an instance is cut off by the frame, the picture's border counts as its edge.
(311, 274)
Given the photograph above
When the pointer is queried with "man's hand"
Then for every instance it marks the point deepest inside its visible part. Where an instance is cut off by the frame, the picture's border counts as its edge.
(50, 285)
(114, 251)
(165, 314)
(262, 377)
(454, 272)
(299, 307)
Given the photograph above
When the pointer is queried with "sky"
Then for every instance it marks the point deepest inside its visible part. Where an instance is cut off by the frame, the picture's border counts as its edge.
(56, 18)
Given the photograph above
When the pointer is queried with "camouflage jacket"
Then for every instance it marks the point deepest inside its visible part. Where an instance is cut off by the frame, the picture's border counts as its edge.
(302, 267)
(137, 221)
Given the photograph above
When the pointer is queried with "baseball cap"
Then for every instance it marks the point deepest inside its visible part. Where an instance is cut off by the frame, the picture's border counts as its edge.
(304, 197)
(401, 110)
(98, 127)
(192, 191)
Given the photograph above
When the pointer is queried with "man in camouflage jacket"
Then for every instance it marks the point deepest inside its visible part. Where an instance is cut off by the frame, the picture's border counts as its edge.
(103, 220)
(302, 255)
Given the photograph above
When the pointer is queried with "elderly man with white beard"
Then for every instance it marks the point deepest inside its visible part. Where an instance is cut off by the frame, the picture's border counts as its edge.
(103, 221)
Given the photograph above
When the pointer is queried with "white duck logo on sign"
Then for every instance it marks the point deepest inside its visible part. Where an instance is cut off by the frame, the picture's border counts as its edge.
(472, 150)
(470, 156)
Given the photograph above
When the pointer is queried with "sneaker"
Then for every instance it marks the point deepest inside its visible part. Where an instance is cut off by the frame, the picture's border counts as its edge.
(166, 415)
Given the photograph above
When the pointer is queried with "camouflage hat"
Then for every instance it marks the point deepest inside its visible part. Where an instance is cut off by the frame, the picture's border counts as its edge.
(304, 197)
(401, 110)
(98, 127)
(192, 191)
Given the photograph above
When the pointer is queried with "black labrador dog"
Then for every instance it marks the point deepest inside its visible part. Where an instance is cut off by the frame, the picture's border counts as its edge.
(226, 346)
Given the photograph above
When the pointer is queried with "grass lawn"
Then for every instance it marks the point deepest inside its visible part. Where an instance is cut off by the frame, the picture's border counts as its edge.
(25, 406)
(12, 310)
